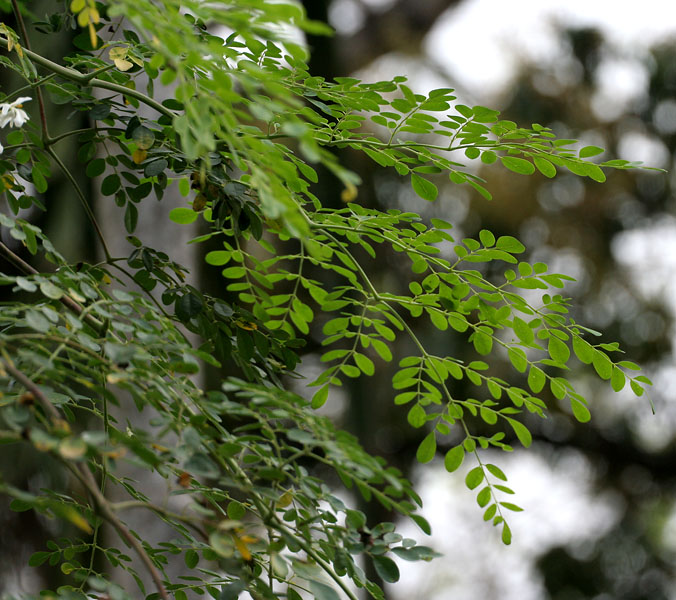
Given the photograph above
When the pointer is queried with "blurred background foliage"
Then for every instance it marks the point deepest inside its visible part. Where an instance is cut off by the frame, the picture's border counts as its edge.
(617, 239)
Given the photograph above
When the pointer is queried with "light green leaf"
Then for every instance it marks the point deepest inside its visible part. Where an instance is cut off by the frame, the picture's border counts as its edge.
(544, 166)
(427, 448)
(474, 478)
(424, 188)
(454, 458)
(182, 215)
(523, 331)
(518, 165)
(521, 432)
(588, 151)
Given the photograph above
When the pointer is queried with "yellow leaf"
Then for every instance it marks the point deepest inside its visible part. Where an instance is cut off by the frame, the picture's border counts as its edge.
(77, 5)
(72, 448)
(123, 65)
(284, 500)
(139, 156)
(349, 194)
(117, 53)
(78, 520)
(83, 17)
(242, 548)
(92, 36)
(119, 453)
(61, 426)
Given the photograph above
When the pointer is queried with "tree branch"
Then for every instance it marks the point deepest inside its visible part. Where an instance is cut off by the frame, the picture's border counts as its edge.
(89, 482)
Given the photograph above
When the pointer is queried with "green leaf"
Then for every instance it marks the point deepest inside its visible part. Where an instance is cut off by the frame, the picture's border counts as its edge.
(155, 167)
(236, 510)
(320, 397)
(364, 363)
(487, 238)
(191, 559)
(218, 257)
(474, 478)
(618, 379)
(521, 432)
(50, 290)
(454, 458)
(558, 350)
(421, 522)
(424, 188)
(580, 411)
(321, 591)
(518, 359)
(143, 137)
(427, 448)
(602, 364)
(544, 166)
(96, 167)
(518, 165)
(182, 215)
(484, 497)
(506, 534)
(496, 471)
(110, 184)
(188, 306)
(536, 379)
(39, 180)
(386, 568)
(523, 331)
(583, 350)
(483, 343)
(510, 244)
(417, 416)
(130, 217)
(588, 151)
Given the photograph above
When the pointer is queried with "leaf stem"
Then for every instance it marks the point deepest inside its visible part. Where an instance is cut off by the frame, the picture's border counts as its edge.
(27, 49)
(83, 200)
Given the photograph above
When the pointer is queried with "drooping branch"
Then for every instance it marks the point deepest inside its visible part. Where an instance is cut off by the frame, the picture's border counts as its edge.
(87, 479)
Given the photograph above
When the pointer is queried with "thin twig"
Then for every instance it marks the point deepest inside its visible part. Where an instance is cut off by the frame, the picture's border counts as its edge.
(83, 201)
(67, 301)
(87, 479)
(32, 387)
(27, 46)
(87, 79)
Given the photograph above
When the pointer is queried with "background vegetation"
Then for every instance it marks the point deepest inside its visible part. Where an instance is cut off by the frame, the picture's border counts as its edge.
(551, 216)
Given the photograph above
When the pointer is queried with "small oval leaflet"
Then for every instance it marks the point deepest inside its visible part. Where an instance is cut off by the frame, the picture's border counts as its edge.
(424, 188)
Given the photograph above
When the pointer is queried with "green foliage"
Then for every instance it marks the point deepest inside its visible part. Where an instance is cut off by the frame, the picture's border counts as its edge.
(241, 138)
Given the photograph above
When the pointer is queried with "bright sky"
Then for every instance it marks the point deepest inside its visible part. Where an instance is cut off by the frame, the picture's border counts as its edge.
(481, 41)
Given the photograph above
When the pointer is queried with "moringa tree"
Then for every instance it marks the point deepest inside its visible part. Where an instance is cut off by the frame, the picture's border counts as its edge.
(244, 135)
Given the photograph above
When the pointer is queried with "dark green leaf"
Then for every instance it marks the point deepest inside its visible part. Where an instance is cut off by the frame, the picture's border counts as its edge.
(386, 568)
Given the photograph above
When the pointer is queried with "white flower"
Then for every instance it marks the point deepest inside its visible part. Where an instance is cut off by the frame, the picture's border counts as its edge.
(12, 113)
